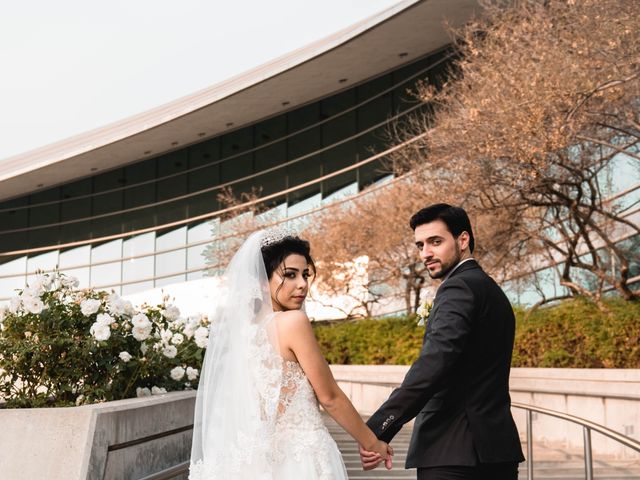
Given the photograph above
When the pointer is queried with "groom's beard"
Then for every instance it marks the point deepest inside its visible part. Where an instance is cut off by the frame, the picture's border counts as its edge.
(448, 266)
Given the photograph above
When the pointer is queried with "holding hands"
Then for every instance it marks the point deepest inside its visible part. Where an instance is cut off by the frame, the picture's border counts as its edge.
(373, 455)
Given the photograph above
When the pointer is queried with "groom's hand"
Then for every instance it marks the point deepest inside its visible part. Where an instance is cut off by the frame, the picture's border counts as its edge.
(371, 460)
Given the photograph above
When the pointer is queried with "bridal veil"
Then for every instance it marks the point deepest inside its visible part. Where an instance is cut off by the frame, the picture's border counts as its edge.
(239, 390)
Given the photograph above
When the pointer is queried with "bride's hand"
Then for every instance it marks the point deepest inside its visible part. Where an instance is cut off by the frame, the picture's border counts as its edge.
(376, 453)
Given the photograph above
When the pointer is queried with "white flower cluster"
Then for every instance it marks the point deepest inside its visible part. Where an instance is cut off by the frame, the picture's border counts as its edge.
(192, 328)
(119, 306)
(178, 373)
(101, 329)
(115, 319)
(142, 327)
(145, 392)
(30, 299)
(423, 311)
(105, 322)
(125, 356)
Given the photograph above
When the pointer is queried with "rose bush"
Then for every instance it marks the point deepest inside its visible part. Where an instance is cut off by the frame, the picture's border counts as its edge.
(60, 346)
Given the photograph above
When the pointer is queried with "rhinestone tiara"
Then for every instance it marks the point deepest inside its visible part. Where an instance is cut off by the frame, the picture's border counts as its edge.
(276, 235)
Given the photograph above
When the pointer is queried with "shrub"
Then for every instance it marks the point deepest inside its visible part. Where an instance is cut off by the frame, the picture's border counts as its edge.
(394, 341)
(573, 334)
(577, 334)
(60, 346)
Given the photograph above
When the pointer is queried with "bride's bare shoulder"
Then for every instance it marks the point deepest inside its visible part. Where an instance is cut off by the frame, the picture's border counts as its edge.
(292, 319)
(293, 325)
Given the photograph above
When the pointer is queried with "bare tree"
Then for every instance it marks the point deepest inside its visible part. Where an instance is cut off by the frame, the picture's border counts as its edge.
(374, 226)
(542, 108)
(242, 214)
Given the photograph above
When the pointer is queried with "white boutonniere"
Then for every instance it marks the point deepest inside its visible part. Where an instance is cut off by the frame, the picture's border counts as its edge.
(423, 311)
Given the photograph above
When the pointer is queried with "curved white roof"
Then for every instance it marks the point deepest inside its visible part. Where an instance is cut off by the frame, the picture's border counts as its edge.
(366, 49)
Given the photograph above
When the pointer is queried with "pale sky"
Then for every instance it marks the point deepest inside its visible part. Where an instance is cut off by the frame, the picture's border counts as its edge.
(68, 66)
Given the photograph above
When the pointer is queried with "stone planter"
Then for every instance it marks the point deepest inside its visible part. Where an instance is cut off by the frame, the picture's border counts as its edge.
(126, 439)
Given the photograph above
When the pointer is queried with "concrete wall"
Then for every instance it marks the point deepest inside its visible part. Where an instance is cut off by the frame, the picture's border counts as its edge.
(121, 440)
(605, 396)
(130, 439)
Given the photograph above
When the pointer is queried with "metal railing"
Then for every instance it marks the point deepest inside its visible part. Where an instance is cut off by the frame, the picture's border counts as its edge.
(235, 234)
(224, 211)
(587, 427)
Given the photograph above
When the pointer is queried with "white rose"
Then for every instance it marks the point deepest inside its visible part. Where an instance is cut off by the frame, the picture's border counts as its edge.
(166, 336)
(40, 284)
(128, 308)
(177, 373)
(170, 351)
(192, 373)
(157, 390)
(100, 332)
(141, 327)
(70, 281)
(189, 329)
(177, 339)
(178, 322)
(33, 305)
(143, 348)
(116, 305)
(125, 356)
(79, 399)
(141, 333)
(89, 306)
(171, 312)
(140, 320)
(201, 336)
(105, 319)
(31, 292)
(191, 324)
(143, 392)
(14, 304)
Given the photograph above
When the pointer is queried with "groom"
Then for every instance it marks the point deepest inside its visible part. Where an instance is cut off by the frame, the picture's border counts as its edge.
(458, 389)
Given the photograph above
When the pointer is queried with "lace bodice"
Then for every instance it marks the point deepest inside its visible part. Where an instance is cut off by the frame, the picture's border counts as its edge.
(299, 427)
(298, 406)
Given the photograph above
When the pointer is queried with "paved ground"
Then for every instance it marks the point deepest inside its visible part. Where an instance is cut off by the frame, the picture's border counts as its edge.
(552, 464)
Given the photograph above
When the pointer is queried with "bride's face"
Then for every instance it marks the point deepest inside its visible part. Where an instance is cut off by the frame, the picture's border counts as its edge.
(289, 283)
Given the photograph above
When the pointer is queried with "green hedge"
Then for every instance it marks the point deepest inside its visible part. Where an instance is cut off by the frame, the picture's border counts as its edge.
(574, 334)
(394, 341)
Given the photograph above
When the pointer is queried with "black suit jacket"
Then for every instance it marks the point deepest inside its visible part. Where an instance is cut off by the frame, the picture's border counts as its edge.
(458, 389)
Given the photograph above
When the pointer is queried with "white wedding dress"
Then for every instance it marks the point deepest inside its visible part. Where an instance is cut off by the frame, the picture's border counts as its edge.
(256, 415)
(303, 444)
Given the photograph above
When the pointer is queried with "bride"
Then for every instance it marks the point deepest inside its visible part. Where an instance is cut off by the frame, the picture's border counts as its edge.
(256, 413)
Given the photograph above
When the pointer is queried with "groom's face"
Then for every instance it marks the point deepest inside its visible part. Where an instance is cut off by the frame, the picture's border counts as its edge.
(439, 249)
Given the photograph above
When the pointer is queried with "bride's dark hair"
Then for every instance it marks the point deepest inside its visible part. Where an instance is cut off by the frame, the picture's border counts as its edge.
(274, 254)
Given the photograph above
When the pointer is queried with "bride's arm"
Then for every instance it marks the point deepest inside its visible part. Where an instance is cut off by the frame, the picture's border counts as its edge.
(295, 334)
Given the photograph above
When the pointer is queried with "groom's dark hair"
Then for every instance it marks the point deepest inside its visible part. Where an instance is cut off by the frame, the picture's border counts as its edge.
(455, 218)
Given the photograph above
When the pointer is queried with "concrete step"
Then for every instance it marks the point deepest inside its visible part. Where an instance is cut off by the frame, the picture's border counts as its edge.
(571, 468)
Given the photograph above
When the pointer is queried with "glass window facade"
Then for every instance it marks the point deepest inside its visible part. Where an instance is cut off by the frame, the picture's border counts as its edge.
(272, 155)
(303, 144)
